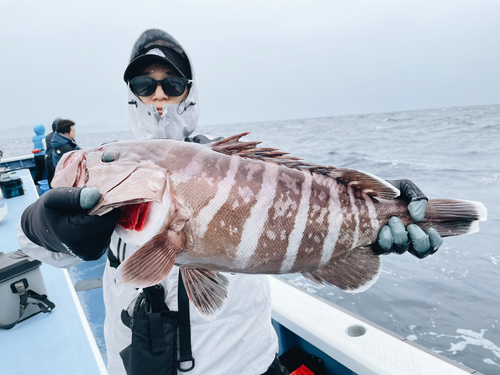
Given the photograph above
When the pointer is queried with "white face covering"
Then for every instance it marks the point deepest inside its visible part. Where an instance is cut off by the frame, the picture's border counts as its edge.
(177, 122)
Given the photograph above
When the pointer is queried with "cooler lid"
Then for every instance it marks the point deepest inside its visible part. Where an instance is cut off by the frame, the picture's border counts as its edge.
(12, 265)
(15, 180)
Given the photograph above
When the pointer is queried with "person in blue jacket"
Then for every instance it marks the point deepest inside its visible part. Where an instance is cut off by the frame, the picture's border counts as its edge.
(39, 152)
(63, 140)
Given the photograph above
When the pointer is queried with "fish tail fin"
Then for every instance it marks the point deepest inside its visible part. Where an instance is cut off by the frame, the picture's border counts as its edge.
(453, 217)
(152, 263)
(353, 272)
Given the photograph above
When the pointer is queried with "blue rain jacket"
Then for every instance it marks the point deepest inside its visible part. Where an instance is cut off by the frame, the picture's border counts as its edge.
(38, 139)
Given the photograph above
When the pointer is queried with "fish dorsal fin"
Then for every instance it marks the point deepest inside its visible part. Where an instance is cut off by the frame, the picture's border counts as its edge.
(360, 181)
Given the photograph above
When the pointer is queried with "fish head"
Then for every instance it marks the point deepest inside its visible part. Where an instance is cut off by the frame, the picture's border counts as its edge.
(129, 176)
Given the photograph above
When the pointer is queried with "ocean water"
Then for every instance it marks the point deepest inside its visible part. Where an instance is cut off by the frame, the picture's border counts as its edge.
(448, 302)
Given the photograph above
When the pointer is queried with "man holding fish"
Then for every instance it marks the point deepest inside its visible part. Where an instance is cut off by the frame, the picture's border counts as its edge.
(163, 104)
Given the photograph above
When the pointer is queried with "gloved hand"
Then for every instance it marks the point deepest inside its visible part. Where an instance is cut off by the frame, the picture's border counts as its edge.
(393, 238)
(57, 222)
(203, 139)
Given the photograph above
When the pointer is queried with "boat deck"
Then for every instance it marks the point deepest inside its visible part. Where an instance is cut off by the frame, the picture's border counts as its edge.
(59, 342)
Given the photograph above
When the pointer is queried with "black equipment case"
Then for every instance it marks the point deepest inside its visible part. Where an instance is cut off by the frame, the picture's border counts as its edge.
(11, 186)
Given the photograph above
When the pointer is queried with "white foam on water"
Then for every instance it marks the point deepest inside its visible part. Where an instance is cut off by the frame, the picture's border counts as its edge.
(495, 178)
(490, 362)
(474, 338)
(470, 337)
(495, 259)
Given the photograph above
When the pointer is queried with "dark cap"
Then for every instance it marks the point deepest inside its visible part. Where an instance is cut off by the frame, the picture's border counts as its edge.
(157, 46)
(54, 124)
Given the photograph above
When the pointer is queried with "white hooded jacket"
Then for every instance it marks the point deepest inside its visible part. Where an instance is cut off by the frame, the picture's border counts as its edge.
(177, 122)
(240, 340)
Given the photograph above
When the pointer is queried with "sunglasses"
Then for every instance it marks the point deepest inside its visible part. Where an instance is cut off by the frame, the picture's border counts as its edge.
(172, 86)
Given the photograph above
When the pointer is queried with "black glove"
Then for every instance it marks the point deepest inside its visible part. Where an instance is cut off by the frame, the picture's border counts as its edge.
(393, 238)
(57, 222)
(202, 139)
(411, 194)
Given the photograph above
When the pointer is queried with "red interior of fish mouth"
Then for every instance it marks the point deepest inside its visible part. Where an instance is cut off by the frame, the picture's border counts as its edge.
(133, 216)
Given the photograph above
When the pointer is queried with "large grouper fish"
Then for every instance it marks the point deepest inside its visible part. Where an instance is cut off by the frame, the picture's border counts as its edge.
(232, 206)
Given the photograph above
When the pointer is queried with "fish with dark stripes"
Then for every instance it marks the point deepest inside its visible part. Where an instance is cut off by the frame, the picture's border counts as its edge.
(233, 206)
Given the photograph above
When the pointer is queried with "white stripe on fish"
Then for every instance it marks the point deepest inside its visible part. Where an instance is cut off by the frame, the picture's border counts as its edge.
(297, 233)
(254, 225)
(208, 212)
(354, 212)
(371, 211)
(334, 224)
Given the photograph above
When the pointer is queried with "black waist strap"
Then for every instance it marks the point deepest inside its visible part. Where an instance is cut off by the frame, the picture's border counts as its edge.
(184, 327)
(113, 261)
(185, 352)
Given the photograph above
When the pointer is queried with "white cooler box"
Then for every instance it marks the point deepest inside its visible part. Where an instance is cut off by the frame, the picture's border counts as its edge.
(22, 290)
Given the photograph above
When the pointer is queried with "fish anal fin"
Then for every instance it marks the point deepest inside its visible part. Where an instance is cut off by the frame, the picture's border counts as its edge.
(206, 289)
(153, 261)
(360, 181)
(353, 272)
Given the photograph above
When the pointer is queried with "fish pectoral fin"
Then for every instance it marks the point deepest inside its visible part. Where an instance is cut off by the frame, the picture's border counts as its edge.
(353, 272)
(152, 263)
(206, 289)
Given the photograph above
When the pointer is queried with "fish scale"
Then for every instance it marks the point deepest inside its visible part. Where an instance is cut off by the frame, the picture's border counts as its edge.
(233, 206)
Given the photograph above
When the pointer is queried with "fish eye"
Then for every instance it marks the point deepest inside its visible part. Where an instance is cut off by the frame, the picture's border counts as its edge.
(110, 155)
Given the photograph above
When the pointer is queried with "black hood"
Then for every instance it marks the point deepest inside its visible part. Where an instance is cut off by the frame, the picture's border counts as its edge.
(156, 45)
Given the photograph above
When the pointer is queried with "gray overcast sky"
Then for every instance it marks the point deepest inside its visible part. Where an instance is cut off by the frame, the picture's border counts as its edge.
(256, 60)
